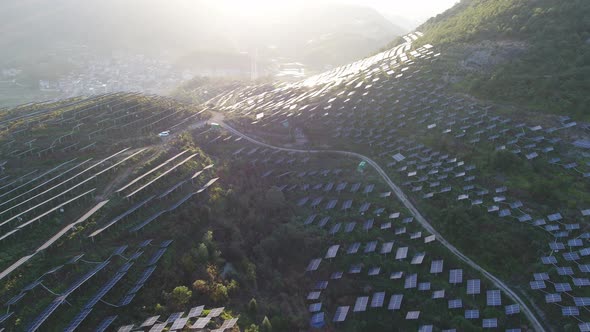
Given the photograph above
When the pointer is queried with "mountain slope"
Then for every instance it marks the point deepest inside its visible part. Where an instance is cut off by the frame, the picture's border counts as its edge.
(534, 53)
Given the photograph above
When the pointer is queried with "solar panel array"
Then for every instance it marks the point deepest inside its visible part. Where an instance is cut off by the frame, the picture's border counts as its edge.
(376, 105)
(383, 228)
(91, 270)
(178, 321)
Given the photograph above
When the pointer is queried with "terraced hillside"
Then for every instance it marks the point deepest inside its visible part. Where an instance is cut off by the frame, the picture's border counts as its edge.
(377, 196)
(508, 192)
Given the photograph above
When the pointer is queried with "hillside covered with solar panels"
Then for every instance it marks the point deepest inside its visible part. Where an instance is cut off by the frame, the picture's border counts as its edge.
(417, 189)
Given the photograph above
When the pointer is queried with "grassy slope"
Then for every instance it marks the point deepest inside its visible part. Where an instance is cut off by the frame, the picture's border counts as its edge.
(553, 74)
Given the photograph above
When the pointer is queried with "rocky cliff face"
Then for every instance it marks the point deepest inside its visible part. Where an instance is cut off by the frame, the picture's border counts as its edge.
(486, 55)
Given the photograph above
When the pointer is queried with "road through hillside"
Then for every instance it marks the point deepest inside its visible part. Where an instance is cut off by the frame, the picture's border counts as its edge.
(217, 117)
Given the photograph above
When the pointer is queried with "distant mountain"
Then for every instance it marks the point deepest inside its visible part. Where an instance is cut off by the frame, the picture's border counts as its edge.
(328, 35)
(535, 53)
(407, 24)
(333, 35)
(32, 26)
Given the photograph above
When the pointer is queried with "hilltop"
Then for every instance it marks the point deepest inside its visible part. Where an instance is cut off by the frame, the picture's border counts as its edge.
(532, 53)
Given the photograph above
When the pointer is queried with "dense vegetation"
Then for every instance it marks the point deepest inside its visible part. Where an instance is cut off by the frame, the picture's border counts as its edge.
(551, 75)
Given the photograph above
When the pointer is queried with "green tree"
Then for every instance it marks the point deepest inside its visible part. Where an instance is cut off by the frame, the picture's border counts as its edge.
(252, 328)
(180, 296)
(253, 307)
(202, 253)
(266, 326)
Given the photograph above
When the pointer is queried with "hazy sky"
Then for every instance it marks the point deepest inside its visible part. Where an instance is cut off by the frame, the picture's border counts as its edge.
(410, 9)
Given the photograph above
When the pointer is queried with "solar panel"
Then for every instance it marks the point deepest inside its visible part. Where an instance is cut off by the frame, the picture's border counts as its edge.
(5, 316)
(105, 323)
(196, 311)
(150, 321)
(377, 300)
(439, 294)
(324, 221)
(321, 285)
(353, 248)
(386, 248)
(562, 287)
(32, 285)
(584, 327)
(174, 317)
(215, 312)
(412, 315)
(374, 271)
(565, 271)
(570, 311)
(335, 229)
(314, 265)
(493, 298)
(418, 258)
(456, 276)
(347, 204)
(39, 320)
(361, 304)
(179, 323)
(15, 299)
(581, 282)
(395, 302)
(370, 247)
(411, 281)
(302, 202)
(126, 328)
(541, 276)
(156, 257)
(425, 328)
(227, 324)
(553, 298)
(582, 301)
(368, 224)
(471, 314)
(489, 323)
(314, 295)
(473, 286)
(436, 266)
(341, 313)
(537, 284)
(512, 309)
(332, 251)
(315, 307)
(401, 253)
(455, 304)
(201, 323)
(126, 300)
(317, 320)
